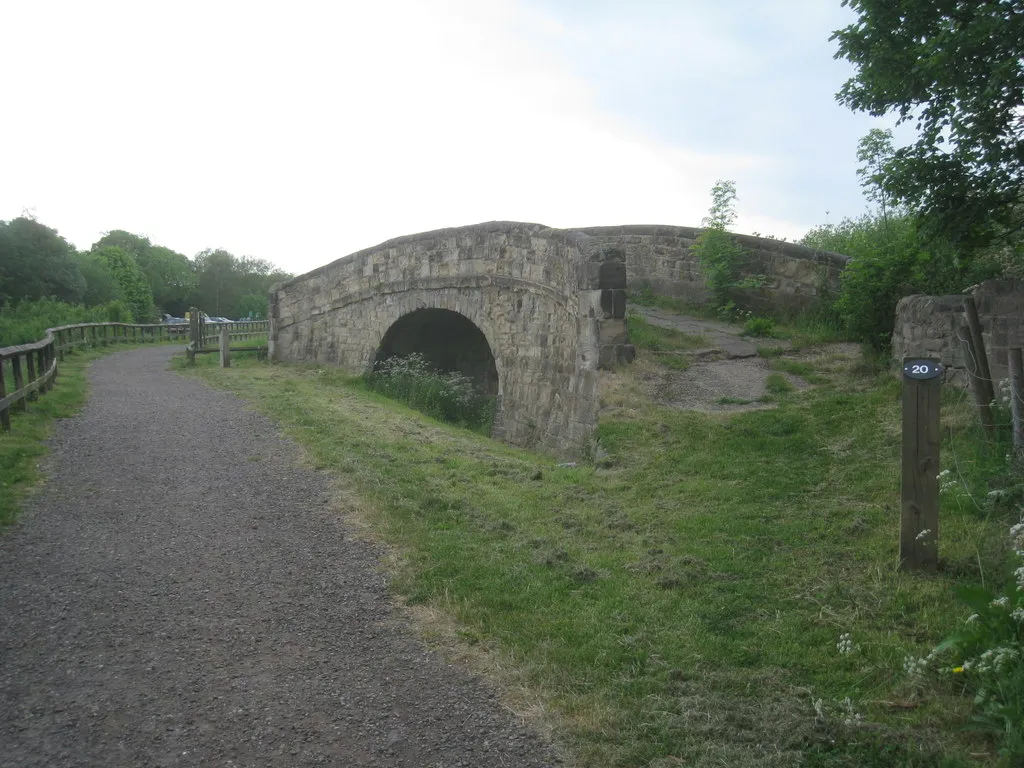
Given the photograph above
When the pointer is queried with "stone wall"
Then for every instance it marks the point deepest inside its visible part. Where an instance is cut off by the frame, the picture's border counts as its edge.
(550, 303)
(660, 257)
(928, 326)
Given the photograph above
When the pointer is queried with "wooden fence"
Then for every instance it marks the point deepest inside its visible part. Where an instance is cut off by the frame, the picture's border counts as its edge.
(206, 337)
(243, 330)
(32, 368)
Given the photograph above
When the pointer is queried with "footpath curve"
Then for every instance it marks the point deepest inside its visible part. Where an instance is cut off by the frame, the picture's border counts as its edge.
(181, 592)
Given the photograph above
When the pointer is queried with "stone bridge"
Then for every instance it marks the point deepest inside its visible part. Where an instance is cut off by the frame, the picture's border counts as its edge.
(529, 312)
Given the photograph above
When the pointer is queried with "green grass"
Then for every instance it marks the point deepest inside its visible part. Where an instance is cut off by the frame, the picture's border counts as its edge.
(23, 447)
(803, 329)
(682, 605)
(647, 298)
(667, 346)
(657, 339)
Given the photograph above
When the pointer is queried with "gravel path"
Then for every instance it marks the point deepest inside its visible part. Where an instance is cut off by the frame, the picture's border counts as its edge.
(181, 593)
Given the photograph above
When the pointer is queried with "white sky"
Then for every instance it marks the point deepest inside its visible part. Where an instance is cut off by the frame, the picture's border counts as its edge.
(302, 131)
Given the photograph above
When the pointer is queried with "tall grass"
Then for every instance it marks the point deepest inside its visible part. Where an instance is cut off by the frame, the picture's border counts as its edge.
(446, 395)
(27, 321)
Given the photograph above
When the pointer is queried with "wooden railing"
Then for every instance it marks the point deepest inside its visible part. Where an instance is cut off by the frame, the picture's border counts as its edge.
(32, 368)
(221, 337)
(243, 330)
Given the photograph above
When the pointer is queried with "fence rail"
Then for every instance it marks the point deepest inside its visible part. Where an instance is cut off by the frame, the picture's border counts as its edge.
(33, 367)
(243, 330)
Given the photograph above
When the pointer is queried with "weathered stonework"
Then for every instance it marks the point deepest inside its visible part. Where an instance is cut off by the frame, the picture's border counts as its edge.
(550, 303)
(928, 326)
(660, 258)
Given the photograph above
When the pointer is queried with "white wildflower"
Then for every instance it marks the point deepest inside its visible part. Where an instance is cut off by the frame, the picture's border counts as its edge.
(845, 644)
(853, 717)
(972, 618)
(915, 667)
(1001, 602)
(819, 710)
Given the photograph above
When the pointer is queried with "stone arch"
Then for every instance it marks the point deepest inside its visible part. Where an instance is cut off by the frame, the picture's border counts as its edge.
(447, 339)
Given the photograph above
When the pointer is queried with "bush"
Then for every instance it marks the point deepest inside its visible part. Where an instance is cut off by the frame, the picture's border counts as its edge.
(449, 396)
(27, 321)
(889, 260)
(759, 326)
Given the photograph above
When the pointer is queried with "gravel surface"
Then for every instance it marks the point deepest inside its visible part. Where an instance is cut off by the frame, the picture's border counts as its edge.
(182, 593)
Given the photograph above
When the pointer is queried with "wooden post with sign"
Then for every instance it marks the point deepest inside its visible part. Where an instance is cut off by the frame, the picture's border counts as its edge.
(919, 497)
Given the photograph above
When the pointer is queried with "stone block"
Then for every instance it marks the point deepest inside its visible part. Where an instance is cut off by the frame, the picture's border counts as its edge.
(613, 332)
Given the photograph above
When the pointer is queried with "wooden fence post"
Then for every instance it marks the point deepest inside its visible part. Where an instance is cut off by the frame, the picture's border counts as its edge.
(5, 411)
(1016, 365)
(30, 364)
(19, 379)
(919, 495)
(983, 371)
(193, 328)
(43, 368)
(982, 399)
(225, 347)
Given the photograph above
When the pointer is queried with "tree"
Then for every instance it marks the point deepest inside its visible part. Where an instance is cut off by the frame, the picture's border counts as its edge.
(172, 278)
(954, 67)
(135, 290)
(170, 274)
(721, 258)
(874, 151)
(216, 284)
(232, 286)
(101, 286)
(36, 262)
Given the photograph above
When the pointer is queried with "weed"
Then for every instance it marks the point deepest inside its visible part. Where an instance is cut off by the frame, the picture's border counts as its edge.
(449, 396)
(777, 384)
(759, 326)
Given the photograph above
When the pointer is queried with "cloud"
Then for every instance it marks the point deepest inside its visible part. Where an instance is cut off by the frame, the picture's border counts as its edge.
(299, 132)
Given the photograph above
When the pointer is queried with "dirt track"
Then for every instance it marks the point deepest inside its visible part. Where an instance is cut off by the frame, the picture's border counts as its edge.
(182, 593)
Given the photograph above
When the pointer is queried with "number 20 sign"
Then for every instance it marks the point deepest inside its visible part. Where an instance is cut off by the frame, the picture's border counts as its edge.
(921, 369)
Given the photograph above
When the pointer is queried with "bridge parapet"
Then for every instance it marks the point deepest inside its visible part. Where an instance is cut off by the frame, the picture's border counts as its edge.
(549, 303)
(660, 257)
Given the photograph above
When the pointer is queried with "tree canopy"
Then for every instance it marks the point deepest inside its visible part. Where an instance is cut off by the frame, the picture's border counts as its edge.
(171, 275)
(955, 69)
(134, 288)
(127, 269)
(36, 262)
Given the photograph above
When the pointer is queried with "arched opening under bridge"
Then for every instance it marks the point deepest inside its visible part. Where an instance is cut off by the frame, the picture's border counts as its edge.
(448, 340)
